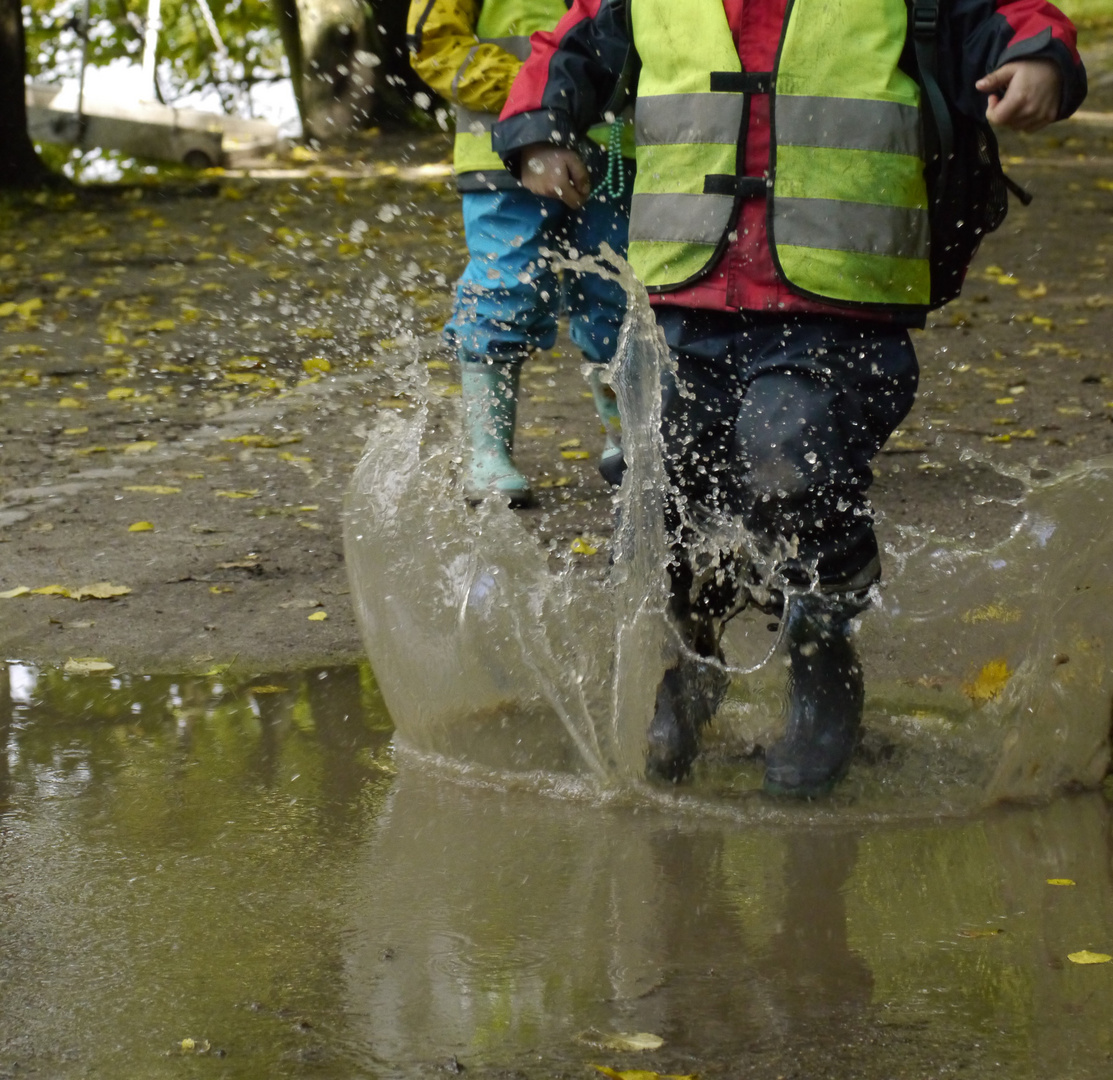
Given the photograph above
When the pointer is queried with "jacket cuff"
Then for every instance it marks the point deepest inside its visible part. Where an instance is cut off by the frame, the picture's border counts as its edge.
(1044, 46)
(512, 135)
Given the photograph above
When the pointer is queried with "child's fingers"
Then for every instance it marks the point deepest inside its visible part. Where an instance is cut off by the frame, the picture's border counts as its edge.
(1030, 97)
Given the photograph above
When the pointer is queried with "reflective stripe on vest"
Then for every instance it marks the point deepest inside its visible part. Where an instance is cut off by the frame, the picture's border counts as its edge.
(685, 132)
(848, 220)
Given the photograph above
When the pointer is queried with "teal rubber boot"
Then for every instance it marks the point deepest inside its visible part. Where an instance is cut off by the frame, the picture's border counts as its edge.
(490, 393)
(612, 464)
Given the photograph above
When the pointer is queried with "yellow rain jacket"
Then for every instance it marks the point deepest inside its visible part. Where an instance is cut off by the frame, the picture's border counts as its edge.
(470, 51)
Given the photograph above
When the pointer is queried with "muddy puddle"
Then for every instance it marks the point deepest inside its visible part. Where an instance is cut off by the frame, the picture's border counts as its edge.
(246, 878)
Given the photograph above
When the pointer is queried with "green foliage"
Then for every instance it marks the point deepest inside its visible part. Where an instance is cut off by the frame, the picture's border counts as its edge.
(188, 58)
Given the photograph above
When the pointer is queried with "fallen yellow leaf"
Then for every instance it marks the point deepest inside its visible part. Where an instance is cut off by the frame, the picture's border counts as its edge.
(580, 546)
(11, 594)
(1087, 957)
(52, 590)
(100, 590)
(144, 446)
(264, 441)
(992, 613)
(641, 1040)
(640, 1074)
(989, 682)
(318, 616)
(1059, 881)
(89, 665)
(141, 526)
(119, 393)
(252, 493)
(575, 455)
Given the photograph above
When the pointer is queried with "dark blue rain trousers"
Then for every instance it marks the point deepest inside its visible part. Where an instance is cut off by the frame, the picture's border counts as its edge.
(776, 419)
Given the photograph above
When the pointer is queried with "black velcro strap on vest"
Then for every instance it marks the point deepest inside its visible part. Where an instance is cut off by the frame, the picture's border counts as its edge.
(726, 184)
(741, 82)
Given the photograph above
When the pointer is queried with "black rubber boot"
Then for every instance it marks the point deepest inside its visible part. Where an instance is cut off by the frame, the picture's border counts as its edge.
(690, 691)
(687, 698)
(825, 699)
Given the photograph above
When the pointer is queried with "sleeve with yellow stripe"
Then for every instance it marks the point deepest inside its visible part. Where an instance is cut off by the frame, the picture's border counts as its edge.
(445, 52)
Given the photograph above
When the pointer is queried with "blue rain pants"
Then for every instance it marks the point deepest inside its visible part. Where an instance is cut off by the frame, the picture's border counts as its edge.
(776, 419)
(507, 304)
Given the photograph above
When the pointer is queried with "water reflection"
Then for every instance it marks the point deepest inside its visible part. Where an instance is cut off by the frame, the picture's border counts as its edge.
(249, 862)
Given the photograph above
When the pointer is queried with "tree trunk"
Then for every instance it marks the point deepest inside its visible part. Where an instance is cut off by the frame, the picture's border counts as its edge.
(19, 164)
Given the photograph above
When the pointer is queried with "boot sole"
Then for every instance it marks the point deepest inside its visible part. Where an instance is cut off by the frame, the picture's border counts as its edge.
(799, 791)
(518, 500)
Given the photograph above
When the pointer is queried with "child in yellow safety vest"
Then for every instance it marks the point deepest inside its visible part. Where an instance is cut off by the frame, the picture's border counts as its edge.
(783, 223)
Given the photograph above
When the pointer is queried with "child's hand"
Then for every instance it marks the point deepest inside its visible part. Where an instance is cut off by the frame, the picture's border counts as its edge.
(556, 172)
(1031, 94)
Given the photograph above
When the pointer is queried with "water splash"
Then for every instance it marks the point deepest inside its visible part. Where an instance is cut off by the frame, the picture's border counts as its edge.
(988, 674)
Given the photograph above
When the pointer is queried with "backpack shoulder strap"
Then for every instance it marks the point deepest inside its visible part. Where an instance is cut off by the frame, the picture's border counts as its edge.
(939, 131)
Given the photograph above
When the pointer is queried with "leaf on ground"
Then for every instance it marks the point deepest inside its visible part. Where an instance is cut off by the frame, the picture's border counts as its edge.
(99, 590)
(639, 1074)
(1060, 881)
(119, 393)
(584, 545)
(989, 683)
(1084, 956)
(87, 665)
(141, 526)
(251, 493)
(575, 455)
(631, 1042)
(153, 489)
(268, 689)
(144, 446)
(318, 616)
(1035, 293)
(11, 594)
(264, 441)
(52, 590)
(991, 613)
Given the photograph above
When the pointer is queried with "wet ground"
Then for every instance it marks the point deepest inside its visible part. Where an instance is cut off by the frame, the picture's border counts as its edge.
(210, 877)
(205, 359)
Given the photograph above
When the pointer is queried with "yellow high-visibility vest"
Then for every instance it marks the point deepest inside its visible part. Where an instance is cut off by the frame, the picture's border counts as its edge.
(847, 201)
